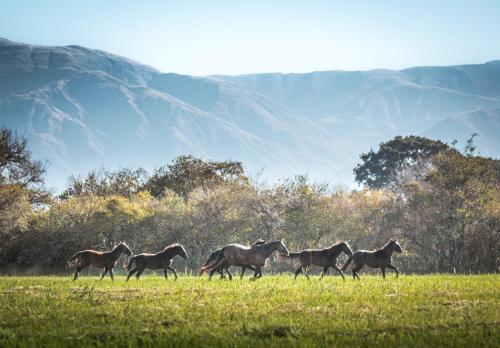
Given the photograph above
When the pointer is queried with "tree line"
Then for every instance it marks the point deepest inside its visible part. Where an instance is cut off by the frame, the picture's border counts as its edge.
(441, 203)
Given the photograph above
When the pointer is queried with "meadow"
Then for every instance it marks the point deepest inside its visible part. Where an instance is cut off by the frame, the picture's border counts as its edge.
(431, 310)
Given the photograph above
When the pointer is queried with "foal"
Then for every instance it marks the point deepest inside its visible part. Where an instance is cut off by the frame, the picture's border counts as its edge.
(162, 259)
(106, 260)
(380, 258)
(320, 257)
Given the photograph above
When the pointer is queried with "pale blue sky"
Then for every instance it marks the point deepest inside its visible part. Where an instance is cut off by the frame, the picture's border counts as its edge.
(235, 37)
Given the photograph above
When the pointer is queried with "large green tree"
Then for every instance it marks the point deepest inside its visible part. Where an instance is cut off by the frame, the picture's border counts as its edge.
(379, 169)
(187, 173)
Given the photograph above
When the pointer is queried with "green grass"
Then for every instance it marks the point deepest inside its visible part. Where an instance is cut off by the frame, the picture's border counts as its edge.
(434, 310)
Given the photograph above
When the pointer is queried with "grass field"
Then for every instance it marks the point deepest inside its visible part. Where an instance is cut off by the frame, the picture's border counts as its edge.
(435, 310)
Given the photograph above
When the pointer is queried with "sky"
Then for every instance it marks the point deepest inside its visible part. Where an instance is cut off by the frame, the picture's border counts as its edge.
(239, 37)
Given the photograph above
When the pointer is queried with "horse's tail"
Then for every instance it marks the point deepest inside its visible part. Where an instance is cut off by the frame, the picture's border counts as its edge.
(75, 259)
(211, 259)
(347, 263)
(131, 261)
(219, 260)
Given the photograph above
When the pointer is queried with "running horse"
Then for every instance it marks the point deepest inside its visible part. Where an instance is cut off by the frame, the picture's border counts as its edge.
(98, 259)
(320, 257)
(160, 260)
(237, 255)
(225, 266)
(380, 258)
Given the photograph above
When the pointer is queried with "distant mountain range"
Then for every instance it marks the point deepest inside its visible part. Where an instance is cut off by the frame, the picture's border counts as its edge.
(82, 109)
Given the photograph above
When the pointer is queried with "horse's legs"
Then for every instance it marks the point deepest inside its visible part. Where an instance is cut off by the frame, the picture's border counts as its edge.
(395, 269)
(170, 268)
(305, 272)
(355, 270)
(339, 270)
(258, 272)
(298, 271)
(139, 272)
(111, 274)
(77, 271)
(165, 273)
(131, 273)
(243, 269)
(211, 273)
(325, 270)
(383, 272)
(104, 273)
(228, 272)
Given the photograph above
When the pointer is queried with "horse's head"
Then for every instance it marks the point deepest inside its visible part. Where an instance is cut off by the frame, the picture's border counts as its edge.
(125, 249)
(395, 246)
(282, 249)
(346, 248)
(182, 252)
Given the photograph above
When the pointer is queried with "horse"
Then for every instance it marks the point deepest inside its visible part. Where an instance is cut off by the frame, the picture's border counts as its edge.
(320, 257)
(223, 267)
(106, 260)
(380, 258)
(162, 259)
(237, 254)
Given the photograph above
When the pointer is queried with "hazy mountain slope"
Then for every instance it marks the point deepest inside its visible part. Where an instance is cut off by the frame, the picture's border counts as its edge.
(83, 108)
(486, 123)
(83, 111)
(378, 104)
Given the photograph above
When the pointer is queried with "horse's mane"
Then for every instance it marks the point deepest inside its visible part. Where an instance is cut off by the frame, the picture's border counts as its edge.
(337, 244)
(389, 242)
(172, 246)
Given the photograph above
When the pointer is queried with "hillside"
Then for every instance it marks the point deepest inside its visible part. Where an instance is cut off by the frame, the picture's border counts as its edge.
(83, 108)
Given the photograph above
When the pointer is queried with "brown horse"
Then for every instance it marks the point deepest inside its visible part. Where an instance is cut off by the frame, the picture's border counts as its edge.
(380, 258)
(225, 266)
(320, 257)
(106, 260)
(162, 259)
(237, 254)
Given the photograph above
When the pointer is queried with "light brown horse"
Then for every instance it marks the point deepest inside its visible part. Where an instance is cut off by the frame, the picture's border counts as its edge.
(106, 260)
(225, 266)
(160, 260)
(238, 255)
(320, 257)
(380, 258)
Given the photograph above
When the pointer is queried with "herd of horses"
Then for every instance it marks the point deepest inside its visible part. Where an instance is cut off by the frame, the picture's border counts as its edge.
(251, 257)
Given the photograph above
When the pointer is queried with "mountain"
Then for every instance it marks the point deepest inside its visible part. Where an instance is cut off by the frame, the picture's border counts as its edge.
(82, 109)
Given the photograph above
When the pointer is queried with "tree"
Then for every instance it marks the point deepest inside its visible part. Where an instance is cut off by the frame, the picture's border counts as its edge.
(187, 173)
(18, 169)
(21, 187)
(124, 182)
(378, 169)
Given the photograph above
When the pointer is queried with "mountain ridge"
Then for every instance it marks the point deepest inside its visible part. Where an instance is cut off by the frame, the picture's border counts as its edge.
(84, 108)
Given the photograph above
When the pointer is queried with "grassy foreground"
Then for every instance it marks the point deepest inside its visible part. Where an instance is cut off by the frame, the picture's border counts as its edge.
(435, 310)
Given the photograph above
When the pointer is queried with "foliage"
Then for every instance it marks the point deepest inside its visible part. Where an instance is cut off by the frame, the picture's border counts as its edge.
(123, 182)
(186, 173)
(447, 217)
(377, 169)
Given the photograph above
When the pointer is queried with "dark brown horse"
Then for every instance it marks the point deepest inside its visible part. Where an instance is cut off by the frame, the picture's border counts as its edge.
(225, 266)
(237, 254)
(380, 258)
(106, 260)
(320, 257)
(160, 260)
